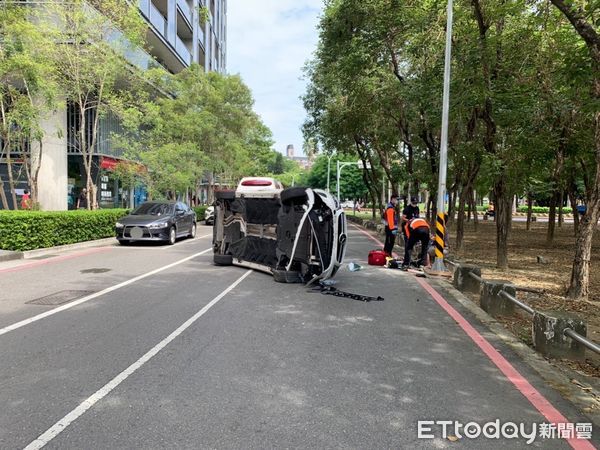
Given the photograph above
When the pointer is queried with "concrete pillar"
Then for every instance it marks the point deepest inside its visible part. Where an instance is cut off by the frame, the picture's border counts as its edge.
(492, 302)
(548, 337)
(463, 281)
(52, 181)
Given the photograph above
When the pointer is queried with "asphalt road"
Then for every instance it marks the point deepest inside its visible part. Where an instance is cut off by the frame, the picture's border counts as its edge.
(165, 350)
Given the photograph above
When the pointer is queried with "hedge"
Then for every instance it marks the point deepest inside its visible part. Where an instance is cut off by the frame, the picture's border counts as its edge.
(543, 210)
(30, 230)
(200, 212)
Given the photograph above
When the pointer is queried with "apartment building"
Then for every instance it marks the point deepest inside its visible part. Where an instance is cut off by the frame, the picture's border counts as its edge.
(177, 36)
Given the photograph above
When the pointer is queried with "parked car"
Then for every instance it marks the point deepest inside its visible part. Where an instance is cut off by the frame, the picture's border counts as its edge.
(296, 234)
(157, 221)
(209, 215)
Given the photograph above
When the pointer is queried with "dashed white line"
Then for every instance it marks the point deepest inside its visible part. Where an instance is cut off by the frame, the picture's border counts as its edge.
(51, 312)
(63, 423)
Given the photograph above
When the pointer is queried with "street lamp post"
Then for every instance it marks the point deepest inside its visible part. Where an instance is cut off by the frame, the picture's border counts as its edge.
(328, 169)
(340, 166)
(438, 264)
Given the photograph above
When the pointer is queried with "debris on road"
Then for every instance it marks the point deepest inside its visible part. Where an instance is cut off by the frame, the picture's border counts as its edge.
(353, 267)
(330, 290)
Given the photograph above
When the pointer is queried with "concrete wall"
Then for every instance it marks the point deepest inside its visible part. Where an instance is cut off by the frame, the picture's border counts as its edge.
(52, 182)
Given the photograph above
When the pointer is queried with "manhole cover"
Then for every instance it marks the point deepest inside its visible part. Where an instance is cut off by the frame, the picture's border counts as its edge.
(96, 270)
(60, 297)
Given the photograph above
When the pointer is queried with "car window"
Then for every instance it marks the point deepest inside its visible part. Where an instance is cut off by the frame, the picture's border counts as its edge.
(153, 209)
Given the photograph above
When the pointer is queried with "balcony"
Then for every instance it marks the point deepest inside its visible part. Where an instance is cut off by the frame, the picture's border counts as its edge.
(158, 20)
(186, 11)
(183, 51)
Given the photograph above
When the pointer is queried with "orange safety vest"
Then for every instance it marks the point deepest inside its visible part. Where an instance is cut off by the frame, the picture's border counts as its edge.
(414, 224)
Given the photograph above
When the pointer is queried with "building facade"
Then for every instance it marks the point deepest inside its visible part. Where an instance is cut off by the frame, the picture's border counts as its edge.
(180, 32)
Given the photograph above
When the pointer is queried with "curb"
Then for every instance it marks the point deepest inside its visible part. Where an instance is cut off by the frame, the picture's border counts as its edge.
(572, 386)
(7, 255)
(60, 248)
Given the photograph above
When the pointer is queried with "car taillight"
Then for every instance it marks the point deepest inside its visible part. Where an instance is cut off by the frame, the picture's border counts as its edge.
(256, 183)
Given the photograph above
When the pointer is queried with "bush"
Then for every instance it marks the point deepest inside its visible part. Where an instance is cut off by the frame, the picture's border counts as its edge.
(30, 230)
(543, 210)
(200, 210)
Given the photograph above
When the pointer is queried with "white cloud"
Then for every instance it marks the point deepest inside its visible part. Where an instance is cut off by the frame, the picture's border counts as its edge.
(268, 43)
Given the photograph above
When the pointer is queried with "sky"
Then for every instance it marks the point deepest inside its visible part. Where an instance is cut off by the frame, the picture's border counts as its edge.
(268, 43)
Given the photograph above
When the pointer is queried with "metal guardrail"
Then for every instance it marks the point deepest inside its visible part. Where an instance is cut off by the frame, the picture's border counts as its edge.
(568, 332)
(583, 341)
(476, 277)
(517, 302)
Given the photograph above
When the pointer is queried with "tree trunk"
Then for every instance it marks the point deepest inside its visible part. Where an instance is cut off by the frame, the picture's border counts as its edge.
(529, 210)
(503, 213)
(580, 274)
(2, 193)
(573, 202)
(561, 201)
(460, 219)
(11, 181)
(552, 218)
(474, 207)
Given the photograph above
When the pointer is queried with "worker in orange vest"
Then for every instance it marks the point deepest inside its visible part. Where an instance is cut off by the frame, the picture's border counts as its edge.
(391, 225)
(416, 230)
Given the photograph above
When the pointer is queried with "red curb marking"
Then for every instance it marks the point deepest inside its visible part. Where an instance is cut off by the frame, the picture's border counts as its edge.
(51, 260)
(529, 392)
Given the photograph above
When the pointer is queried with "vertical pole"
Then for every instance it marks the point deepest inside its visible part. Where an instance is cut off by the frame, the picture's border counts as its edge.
(328, 170)
(438, 264)
(338, 180)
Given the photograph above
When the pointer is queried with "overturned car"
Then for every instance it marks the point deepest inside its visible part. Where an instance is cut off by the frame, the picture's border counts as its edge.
(296, 234)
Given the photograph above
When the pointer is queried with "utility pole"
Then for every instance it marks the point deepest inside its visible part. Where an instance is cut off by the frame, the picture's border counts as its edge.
(440, 229)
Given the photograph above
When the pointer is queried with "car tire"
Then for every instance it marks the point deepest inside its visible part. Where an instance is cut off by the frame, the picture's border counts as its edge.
(293, 195)
(225, 195)
(192, 234)
(172, 236)
(222, 260)
(124, 242)
(286, 276)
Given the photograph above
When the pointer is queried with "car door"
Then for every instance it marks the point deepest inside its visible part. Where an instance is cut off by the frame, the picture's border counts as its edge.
(190, 215)
(180, 218)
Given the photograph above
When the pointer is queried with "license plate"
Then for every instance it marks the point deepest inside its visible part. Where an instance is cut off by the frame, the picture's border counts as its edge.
(136, 233)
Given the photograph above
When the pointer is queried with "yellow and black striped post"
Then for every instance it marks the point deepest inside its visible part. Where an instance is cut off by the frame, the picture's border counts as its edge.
(440, 232)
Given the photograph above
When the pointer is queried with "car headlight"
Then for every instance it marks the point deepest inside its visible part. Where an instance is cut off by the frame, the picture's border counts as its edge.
(158, 225)
(119, 225)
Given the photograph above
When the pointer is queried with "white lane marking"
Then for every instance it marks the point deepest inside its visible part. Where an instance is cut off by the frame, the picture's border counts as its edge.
(43, 315)
(184, 242)
(63, 423)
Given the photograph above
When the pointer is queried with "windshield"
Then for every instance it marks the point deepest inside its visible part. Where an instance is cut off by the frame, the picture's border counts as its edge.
(152, 209)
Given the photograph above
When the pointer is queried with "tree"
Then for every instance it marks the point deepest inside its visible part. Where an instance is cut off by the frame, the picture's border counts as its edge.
(27, 94)
(204, 128)
(583, 22)
(88, 52)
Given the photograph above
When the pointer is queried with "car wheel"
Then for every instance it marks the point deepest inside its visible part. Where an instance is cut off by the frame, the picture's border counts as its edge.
(293, 195)
(193, 231)
(285, 276)
(223, 260)
(172, 236)
(124, 242)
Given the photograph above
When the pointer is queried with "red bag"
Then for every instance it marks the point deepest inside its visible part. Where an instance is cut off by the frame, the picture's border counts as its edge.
(377, 258)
